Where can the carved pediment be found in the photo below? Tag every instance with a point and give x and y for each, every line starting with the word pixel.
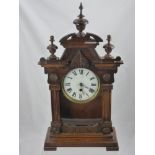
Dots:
pixel 79 60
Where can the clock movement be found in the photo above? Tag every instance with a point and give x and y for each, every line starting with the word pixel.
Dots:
pixel 80 84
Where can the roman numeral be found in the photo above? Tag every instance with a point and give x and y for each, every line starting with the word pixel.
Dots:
pixel 69 90
pixel 67 84
pixel 93 84
pixel 74 94
pixel 87 73
pixel 69 77
pixel 81 71
pixel 87 94
pixel 80 96
pixel 74 72
pixel 92 78
pixel 91 90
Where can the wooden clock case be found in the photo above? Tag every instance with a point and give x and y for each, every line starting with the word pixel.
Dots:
pixel 81 125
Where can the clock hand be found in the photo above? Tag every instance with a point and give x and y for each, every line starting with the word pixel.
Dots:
pixel 82 85
pixel 85 86
pixel 81 90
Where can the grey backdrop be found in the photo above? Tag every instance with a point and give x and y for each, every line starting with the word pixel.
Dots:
pixel 41 18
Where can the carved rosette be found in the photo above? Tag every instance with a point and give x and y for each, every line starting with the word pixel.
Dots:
pixel 52 78
pixel 106 77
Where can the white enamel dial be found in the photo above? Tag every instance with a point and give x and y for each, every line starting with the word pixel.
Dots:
pixel 80 85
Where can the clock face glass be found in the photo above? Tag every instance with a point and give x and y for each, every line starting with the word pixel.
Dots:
pixel 80 85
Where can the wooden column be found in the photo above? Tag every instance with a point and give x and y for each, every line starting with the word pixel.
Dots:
pixel 55 107
pixel 106 107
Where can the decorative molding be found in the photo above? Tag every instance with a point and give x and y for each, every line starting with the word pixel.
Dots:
pixel 55 87
pixel 69 128
pixel 107 86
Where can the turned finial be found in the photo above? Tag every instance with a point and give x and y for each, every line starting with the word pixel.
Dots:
pixel 52 48
pixel 81 8
pixel 108 48
pixel 52 39
pixel 109 38
pixel 80 22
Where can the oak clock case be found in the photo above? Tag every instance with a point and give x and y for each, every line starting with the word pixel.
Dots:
pixel 80 84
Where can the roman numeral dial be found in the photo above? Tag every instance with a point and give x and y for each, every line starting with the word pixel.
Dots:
pixel 80 85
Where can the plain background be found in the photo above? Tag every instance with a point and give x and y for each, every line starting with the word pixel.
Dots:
pixel 39 20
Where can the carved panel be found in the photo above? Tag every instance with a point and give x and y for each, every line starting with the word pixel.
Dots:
pixel 93 128
pixel 79 60
pixel 81 126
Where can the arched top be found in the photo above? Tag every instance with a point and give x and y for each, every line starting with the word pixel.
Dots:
pixel 66 37
pixel 95 37
pixel 85 38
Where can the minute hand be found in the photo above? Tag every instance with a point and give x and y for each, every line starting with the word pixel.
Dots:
pixel 86 87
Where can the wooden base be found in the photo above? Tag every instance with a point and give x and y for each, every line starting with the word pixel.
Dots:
pixel 81 140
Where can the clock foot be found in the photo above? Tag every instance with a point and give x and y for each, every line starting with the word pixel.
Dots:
pixel 46 148
pixel 112 148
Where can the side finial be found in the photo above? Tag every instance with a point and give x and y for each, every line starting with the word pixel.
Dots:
pixel 108 48
pixel 51 39
pixel 109 38
pixel 80 22
pixel 52 48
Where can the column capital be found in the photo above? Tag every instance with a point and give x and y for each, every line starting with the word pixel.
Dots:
pixel 106 86
pixel 55 87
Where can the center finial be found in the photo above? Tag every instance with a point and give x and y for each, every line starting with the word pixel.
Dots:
pixel 80 22
pixel 81 8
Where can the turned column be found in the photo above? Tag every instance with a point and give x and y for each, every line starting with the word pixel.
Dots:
pixel 106 107
pixel 55 102
pixel 106 101
pixel 55 108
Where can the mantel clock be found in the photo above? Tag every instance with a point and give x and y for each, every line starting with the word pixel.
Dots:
pixel 80 84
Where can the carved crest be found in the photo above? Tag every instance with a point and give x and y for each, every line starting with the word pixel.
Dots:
pixel 79 60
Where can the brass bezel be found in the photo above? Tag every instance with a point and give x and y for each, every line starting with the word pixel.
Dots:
pixel 77 101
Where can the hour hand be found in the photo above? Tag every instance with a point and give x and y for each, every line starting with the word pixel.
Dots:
pixel 81 90
pixel 83 85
